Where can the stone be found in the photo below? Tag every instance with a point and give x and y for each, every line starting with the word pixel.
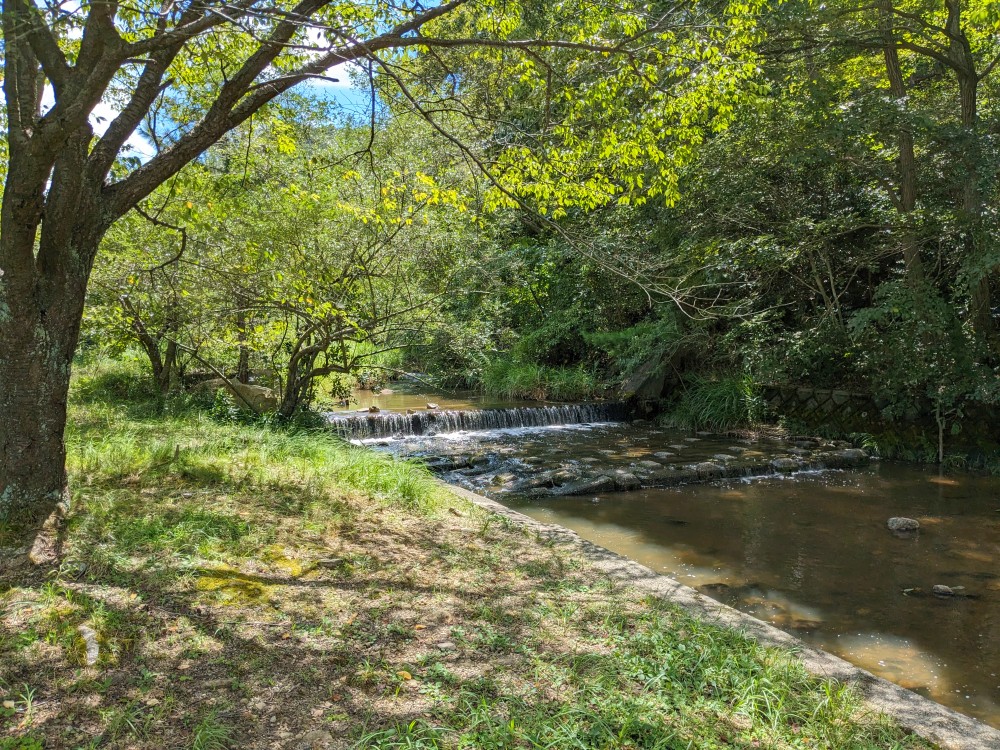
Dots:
pixel 626 481
pixel 446 646
pixel 543 479
pixel 562 476
pixel 940 590
pixel 92 650
pixel 254 397
pixel 650 464
pixel 678 447
pixel 317 739
pixel 432 406
pixel 373 409
pixel 854 455
pixel 900 523
pixel 786 464
pixel 709 469
pixel 647 382
pixel 501 479
pixel 664 454
pixel 586 486
pixel 723 457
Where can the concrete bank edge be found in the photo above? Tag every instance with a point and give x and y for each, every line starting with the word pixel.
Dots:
pixel 947 728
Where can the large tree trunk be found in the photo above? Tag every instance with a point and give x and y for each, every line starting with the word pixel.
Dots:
pixel 34 381
pixel 42 290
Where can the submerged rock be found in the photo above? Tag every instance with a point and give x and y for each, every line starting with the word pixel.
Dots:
pixel 786 464
pixel 586 486
pixel 543 479
pixel 899 523
pixel 626 481
pixel 709 469
pixel 564 475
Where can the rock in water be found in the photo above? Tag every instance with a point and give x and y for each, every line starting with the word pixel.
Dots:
pixel 586 486
pixel 940 590
pixel 709 469
pixel 786 464
pixel 432 406
pixel 900 523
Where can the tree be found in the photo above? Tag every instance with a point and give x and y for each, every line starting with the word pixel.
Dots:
pixel 190 72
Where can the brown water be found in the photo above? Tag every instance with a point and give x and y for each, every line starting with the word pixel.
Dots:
pixel 812 555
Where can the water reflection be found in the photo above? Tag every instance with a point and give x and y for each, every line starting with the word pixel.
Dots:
pixel 812 555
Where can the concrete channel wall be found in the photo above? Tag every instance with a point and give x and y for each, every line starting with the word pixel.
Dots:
pixel 939 724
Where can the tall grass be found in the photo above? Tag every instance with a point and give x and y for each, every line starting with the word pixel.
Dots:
pixel 718 404
pixel 527 380
pixel 118 432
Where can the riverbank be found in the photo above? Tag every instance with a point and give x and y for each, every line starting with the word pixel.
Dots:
pixel 234 586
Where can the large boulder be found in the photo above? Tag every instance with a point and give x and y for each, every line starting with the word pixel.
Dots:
pixel 648 381
pixel 255 397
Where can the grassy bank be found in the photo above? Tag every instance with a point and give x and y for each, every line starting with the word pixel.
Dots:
pixel 248 587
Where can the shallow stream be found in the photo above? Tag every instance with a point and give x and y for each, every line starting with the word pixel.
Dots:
pixel 808 551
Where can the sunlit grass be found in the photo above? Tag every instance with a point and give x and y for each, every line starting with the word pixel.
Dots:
pixel 230 573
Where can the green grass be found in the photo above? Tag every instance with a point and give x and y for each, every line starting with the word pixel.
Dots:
pixel 519 380
pixel 717 404
pixel 115 437
pixel 249 581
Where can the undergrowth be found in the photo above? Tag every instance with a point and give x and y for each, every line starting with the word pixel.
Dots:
pixel 717 404
pixel 525 380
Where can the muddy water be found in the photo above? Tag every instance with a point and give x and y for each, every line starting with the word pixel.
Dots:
pixel 812 555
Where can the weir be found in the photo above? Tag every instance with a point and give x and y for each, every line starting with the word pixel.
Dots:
pixel 435 422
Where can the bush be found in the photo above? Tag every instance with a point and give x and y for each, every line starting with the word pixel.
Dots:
pixel 722 404
pixel 510 379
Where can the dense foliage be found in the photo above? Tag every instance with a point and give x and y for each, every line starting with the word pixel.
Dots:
pixel 804 194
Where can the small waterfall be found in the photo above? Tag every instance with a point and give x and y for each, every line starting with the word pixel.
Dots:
pixel 434 422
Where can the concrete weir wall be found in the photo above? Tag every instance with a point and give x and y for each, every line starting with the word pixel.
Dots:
pixel 949 729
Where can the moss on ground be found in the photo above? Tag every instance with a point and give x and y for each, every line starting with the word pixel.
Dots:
pixel 254 588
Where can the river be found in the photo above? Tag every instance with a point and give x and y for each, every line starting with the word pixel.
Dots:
pixel 808 551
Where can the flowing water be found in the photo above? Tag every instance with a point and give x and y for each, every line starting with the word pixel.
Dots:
pixel 807 551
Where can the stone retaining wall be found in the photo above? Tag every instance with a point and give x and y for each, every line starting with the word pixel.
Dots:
pixel 843 410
